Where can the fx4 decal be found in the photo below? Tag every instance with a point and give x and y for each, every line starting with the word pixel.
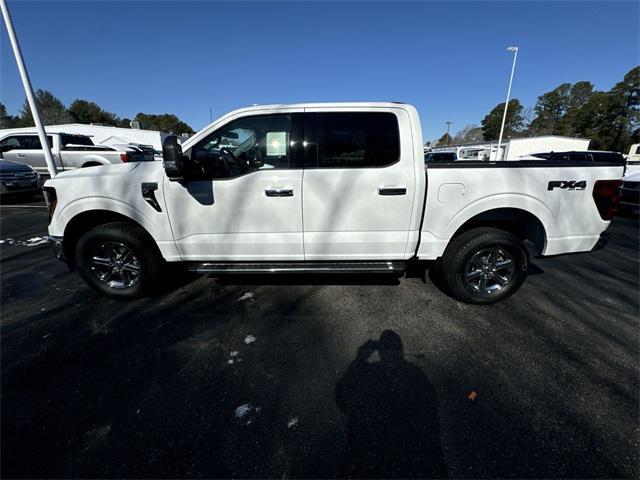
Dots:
pixel 568 184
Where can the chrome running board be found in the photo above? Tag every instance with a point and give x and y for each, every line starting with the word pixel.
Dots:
pixel 298 267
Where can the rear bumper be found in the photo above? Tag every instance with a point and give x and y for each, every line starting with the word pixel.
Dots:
pixel 570 244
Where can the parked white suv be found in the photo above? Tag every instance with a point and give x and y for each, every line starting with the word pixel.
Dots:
pixel 337 187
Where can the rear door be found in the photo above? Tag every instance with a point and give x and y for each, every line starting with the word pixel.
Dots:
pixel 358 184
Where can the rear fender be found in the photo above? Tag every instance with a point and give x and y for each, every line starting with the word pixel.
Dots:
pixel 493 202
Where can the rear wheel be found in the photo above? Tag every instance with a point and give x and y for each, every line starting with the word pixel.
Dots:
pixel 484 265
pixel 119 260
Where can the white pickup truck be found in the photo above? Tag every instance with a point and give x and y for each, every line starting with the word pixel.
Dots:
pixel 336 187
pixel 69 151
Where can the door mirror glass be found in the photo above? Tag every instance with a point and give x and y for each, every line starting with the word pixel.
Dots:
pixel 173 159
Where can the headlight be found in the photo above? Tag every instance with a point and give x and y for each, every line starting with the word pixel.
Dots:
pixel 51 198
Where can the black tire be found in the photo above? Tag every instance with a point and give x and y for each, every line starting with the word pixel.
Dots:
pixel 463 265
pixel 139 275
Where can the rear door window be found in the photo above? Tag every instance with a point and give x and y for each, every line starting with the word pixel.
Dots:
pixel 578 157
pixel 352 140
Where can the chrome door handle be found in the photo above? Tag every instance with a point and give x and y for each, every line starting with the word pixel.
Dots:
pixel 383 190
pixel 279 192
pixel 21 155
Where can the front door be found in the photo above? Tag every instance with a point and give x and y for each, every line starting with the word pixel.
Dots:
pixel 243 199
pixel 359 184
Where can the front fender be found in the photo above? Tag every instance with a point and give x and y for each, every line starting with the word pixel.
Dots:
pixel 156 224
pixel 82 205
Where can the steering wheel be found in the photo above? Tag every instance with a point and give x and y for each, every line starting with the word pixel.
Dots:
pixel 229 156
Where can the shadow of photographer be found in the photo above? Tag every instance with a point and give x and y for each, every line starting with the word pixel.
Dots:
pixel 392 414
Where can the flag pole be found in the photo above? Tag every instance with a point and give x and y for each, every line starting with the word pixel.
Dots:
pixel 28 89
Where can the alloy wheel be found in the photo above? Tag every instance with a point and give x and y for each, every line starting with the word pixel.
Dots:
pixel 115 265
pixel 488 271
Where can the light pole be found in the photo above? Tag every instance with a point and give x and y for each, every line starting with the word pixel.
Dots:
pixel 448 136
pixel 28 89
pixel 504 116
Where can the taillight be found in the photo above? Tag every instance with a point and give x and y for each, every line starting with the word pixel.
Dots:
pixel 124 157
pixel 606 194
pixel 51 198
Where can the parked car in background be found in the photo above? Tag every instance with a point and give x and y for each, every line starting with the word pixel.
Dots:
pixel 18 178
pixel 613 158
pixel 633 158
pixel 630 194
pixel 69 151
pixel 440 157
pixel 320 188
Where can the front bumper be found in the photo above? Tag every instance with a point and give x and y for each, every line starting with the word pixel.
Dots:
pixel 17 189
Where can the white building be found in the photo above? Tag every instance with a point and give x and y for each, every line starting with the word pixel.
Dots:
pixel 103 135
pixel 516 148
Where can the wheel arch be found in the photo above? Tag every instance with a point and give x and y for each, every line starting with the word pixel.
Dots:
pixel 85 221
pixel 95 161
pixel 522 223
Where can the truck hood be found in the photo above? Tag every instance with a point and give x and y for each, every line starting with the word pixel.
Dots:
pixel 98 171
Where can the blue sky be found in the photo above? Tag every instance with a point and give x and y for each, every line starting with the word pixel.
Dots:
pixel 447 58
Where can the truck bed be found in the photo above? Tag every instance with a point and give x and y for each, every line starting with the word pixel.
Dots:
pixel 559 195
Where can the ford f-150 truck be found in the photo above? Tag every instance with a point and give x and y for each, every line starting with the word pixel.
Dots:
pixel 69 151
pixel 337 187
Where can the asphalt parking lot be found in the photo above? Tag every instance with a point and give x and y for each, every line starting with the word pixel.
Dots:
pixel 276 377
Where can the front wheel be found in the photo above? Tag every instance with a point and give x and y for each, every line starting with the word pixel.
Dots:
pixel 118 260
pixel 484 265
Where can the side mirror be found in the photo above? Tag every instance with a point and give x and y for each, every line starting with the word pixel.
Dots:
pixel 172 159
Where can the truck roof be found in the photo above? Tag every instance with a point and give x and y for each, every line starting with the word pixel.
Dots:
pixel 288 106
pixel 276 106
